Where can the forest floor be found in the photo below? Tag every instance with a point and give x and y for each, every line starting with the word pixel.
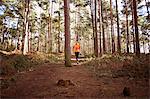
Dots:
pixel 80 82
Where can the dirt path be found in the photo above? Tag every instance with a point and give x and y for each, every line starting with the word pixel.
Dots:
pixel 41 82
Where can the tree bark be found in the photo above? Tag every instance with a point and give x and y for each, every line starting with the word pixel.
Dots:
pixel 118 30
pixel 103 31
pixel 59 33
pixel 112 28
pixel 93 26
pixel 100 26
pixel 78 25
pixel 136 28
pixel 59 38
pixel 133 30
pixel 25 34
pixel 49 32
pixel 127 27
pixel 49 47
pixel 67 34
pixel 95 36
pixel 107 31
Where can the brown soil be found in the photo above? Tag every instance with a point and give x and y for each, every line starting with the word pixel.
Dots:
pixel 42 82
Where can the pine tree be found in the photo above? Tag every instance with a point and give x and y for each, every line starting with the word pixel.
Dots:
pixel 118 30
pixel 136 27
pixel 67 34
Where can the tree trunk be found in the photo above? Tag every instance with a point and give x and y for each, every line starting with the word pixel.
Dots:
pixel 95 36
pixel 67 34
pixel 103 31
pixel 133 30
pixel 127 27
pixel 100 25
pixel 118 31
pixel 45 49
pixel 136 28
pixel 59 39
pixel 76 21
pixel 112 28
pixel 51 28
pixel 93 26
pixel 59 31
pixel 78 25
pixel 49 46
pixel 49 32
pixel 31 39
pixel 29 35
pixel 18 41
pixel 25 34
pixel 107 31
pixel 18 35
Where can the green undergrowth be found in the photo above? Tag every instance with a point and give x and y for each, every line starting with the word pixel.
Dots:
pixel 13 63
pixel 126 65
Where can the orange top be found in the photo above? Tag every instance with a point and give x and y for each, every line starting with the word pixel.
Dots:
pixel 76 47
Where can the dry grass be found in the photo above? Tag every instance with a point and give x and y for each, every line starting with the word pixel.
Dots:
pixel 121 65
pixel 12 62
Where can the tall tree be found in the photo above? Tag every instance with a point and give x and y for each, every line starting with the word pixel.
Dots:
pixel 59 28
pixel 133 36
pixel 95 36
pixel 103 32
pixel 50 25
pixel 25 34
pixel 100 25
pixel 136 27
pixel 94 25
pixel 127 26
pixel 112 28
pixel 107 7
pixel 77 18
pixel 118 30
pixel 67 34
pixel 92 16
pixel 59 32
pixel 49 29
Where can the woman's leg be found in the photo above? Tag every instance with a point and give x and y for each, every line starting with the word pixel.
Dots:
pixel 76 54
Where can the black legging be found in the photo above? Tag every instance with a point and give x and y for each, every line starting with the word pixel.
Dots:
pixel 77 55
